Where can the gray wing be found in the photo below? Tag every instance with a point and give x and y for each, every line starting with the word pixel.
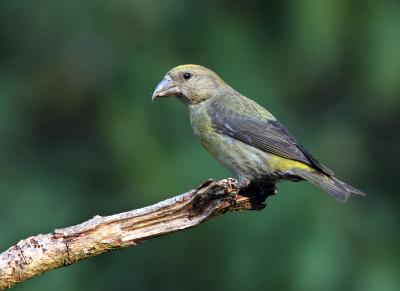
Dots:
pixel 267 135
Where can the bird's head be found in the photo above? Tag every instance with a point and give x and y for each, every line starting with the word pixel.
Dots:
pixel 191 84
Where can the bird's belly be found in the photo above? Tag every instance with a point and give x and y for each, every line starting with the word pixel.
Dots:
pixel 240 158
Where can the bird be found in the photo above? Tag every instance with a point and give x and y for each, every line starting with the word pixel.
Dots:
pixel 243 135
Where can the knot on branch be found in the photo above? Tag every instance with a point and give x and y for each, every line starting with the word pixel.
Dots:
pixel 225 196
pixel 210 196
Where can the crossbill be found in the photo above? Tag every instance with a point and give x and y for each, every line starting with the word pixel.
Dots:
pixel 244 136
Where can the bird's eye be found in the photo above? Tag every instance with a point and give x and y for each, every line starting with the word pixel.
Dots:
pixel 187 76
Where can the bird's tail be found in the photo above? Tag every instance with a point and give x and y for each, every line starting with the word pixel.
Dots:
pixel 339 190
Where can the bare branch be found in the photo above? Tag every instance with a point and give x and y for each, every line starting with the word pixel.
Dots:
pixel 39 254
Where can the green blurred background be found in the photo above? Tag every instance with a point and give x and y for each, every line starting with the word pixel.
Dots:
pixel 79 137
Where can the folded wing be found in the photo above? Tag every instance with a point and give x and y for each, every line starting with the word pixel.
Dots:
pixel 269 135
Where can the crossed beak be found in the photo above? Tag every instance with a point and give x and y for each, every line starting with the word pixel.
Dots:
pixel 166 88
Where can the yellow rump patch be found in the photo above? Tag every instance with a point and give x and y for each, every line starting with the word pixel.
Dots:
pixel 279 163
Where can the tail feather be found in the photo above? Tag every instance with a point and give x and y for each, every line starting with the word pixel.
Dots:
pixel 339 190
pixel 354 190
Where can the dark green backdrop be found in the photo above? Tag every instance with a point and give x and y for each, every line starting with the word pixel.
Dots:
pixel 79 137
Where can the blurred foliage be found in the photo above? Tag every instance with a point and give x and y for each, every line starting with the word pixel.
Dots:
pixel 79 137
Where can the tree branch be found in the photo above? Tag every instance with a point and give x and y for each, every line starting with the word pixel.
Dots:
pixel 39 254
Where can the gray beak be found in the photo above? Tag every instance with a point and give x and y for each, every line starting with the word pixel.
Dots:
pixel 165 89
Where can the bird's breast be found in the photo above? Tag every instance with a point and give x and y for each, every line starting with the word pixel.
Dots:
pixel 204 131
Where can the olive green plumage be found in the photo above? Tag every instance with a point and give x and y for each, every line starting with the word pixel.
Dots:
pixel 242 135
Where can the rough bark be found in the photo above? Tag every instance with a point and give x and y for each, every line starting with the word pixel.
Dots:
pixel 38 254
